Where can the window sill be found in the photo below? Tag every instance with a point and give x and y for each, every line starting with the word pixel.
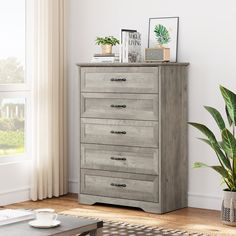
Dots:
pixel 13 160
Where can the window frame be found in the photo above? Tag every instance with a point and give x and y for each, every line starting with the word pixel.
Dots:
pixel 23 90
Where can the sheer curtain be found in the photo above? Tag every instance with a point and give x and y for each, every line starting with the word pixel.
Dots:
pixel 49 99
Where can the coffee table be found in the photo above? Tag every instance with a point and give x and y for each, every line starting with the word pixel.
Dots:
pixel 69 226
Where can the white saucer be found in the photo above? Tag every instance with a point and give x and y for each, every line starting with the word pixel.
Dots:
pixel 42 225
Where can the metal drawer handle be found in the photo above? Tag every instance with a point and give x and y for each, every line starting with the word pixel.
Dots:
pixel 118 132
pixel 118 185
pixel 118 79
pixel 118 106
pixel 118 158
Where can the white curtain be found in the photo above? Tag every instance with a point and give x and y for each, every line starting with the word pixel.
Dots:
pixel 49 102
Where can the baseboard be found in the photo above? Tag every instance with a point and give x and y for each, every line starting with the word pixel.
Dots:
pixel 73 186
pixel 14 196
pixel 204 201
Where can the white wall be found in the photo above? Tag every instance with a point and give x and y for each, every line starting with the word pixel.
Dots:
pixel 207 39
pixel 14 182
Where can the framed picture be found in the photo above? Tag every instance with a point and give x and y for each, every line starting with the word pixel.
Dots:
pixel 163 31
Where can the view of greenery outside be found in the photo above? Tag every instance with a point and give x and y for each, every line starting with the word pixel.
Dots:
pixel 12 139
pixel 12 77
pixel 12 121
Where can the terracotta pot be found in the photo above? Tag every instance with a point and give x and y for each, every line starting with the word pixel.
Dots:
pixel 228 209
pixel 106 49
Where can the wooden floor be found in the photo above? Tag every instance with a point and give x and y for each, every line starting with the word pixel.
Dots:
pixel 190 219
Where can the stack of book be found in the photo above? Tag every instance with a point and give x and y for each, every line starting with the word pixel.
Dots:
pixel 130 48
pixel 8 216
pixel 97 58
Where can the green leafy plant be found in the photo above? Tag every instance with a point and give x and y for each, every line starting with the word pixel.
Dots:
pixel 225 149
pixel 107 40
pixel 162 34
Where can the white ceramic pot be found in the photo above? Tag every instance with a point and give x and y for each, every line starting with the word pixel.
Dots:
pixel 228 210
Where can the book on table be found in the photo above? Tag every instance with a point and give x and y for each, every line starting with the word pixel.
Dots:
pixel 8 216
pixel 104 55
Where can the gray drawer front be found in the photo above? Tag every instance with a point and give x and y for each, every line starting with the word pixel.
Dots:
pixel 116 158
pixel 120 106
pixel 119 79
pixel 119 185
pixel 120 132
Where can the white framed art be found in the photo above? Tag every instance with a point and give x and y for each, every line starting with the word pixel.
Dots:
pixel 171 27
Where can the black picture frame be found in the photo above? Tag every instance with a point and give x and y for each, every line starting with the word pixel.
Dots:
pixel 172 20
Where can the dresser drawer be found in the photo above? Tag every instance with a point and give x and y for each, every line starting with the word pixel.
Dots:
pixel 121 106
pixel 116 158
pixel 119 132
pixel 120 185
pixel 119 79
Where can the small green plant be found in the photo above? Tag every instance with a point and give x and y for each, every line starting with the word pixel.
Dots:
pixel 107 40
pixel 225 149
pixel 162 34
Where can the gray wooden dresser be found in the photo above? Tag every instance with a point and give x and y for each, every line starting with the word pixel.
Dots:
pixel 133 135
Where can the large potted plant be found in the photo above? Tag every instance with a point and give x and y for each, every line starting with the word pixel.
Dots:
pixel 225 150
pixel 107 43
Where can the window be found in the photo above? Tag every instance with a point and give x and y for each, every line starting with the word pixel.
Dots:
pixel 12 41
pixel 12 126
pixel 14 84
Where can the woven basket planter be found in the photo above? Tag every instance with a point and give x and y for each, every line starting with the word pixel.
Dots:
pixel 228 210
pixel 106 49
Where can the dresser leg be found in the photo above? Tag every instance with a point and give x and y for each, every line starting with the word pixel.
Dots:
pixel 86 200
pixel 151 209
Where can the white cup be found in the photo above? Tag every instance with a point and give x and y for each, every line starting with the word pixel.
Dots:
pixel 45 216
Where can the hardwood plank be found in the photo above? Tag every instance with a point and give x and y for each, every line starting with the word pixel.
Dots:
pixel 190 219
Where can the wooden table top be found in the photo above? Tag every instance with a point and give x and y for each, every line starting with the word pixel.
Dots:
pixel 70 225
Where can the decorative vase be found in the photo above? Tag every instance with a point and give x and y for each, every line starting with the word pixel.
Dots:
pixel 228 209
pixel 106 49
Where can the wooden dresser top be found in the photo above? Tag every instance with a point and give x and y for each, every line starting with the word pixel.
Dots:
pixel 143 64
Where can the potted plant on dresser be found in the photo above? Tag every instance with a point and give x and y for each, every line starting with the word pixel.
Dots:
pixel 225 151
pixel 107 43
